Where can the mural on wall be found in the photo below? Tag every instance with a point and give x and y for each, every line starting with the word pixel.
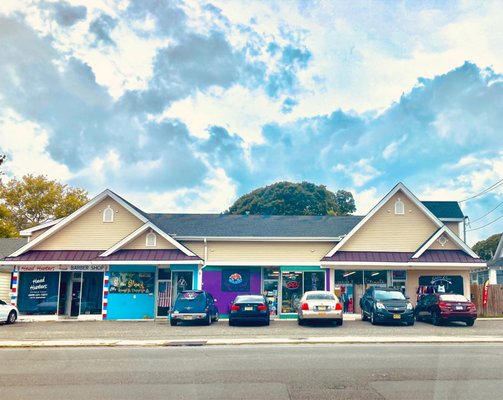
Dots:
pixel 236 280
pixel 132 282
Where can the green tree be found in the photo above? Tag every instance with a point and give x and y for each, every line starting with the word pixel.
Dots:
pixel 485 249
pixel 287 198
pixel 34 199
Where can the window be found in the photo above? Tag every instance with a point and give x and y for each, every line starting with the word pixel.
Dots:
pixel 399 207
pixel 151 239
pixel 108 214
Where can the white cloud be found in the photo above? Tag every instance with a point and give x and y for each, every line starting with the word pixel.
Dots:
pixel 25 144
pixel 366 199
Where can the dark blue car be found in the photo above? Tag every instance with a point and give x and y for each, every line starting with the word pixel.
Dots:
pixel 194 305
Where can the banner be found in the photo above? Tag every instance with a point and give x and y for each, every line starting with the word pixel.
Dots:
pixel 235 280
pixel 485 294
pixel 38 292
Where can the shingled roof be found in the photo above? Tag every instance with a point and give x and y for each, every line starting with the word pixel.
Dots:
pixel 444 209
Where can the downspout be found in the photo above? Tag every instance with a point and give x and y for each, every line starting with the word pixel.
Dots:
pixel 204 264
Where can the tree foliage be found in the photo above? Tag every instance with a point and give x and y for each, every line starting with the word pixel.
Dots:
pixel 485 249
pixel 287 198
pixel 31 200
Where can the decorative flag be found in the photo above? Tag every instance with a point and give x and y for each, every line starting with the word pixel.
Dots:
pixel 485 294
pixel 164 295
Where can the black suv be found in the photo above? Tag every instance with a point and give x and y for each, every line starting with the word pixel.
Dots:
pixel 386 305
pixel 194 305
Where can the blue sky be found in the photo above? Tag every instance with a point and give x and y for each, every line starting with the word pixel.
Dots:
pixel 185 106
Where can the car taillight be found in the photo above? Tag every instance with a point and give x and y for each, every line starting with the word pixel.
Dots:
pixel 262 307
pixel 305 306
pixel 471 306
pixel 338 307
pixel 234 308
pixel 443 305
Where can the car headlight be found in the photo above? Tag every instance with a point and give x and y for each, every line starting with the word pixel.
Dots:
pixel 380 306
pixel 409 306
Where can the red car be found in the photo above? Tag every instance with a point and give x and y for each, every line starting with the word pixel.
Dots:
pixel 445 307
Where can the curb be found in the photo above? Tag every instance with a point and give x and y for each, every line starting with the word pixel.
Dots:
pixel 248 341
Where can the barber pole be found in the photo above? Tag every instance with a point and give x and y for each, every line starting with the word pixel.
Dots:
pixel 485 294
pixel 106 277
pixel 13 298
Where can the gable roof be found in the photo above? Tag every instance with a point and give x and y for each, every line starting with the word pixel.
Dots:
pixel 148 226
pixel 445 210
pixel 439 232
pixel 65 221
pixel 10 245
pixel 254 226
pixel 399 187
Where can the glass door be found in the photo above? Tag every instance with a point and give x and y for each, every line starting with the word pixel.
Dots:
pixel 271 284
pixel 163 298
pixel 291 291
pixel 182 280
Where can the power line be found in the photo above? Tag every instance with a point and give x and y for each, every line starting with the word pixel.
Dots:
pixel 483 226
pixel 485 215
pixel 492 187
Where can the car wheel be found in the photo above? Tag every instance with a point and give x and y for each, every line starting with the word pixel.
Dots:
pixel 300 321
pixel 231 322
pixel 364 317
pixel 373 318
pixel 435 318
pixel 470 322
pixel 12 317
pixel 207 320
pixel 338 322
pixel 267 322
pixel 173 322
pixel 216 317
pixel 410 323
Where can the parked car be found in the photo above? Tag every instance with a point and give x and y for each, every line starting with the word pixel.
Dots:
pixel 442 307
pixel 386 305
pixel 8 313
pixel 249 308
pixel 194 305
pixel 320 305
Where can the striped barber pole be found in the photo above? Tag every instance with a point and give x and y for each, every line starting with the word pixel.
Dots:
pixel 13 299
pixel 106 277
pixel 164 294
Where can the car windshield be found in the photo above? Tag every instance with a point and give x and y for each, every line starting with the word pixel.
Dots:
pixel 453 297
pixel 388 295
pixel 248 299
pixel 190 297
pixel 320 296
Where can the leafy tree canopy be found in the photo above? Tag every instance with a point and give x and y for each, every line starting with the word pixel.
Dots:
pixel 485 249
pixel 287 198
pixel 31 200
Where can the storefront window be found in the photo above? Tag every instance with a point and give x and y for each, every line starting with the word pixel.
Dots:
pixel 38 293
pixel 271 283
pixel 314 281
pixel 291 291
pixel 92 293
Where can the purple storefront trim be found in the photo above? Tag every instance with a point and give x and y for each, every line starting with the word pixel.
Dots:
pixel 212 282
pixel 430 256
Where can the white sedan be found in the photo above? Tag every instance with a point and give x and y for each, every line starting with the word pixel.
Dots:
pixel 320 305
pixel 8 313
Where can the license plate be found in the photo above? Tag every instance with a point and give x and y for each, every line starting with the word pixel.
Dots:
pixel 248 308
pixel 459 307
pixel 322 313
pixel 187 317
pixel 397 316
pixel 322 308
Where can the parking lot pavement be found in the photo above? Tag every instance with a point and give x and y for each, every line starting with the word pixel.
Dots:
pixel 221 332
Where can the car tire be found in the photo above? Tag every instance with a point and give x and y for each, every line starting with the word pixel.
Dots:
pixel 435 318
pixel 339 322
pixel 300 321
pixel 216 317
pixel 373 320
pixel 418 318
pixel 410 323
pixel 364 317
pixel 207 320
pixel 231 322
pixel 12 317
pixel 267 322
pixel 173 322
pixel 470 322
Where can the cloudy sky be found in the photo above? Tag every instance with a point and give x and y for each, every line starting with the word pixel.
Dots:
pixel 184 106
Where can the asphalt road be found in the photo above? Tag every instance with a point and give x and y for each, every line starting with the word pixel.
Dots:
pixel 287 329
pixel 255 372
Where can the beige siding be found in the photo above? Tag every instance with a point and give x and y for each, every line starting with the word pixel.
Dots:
pixel 385 231
pixel 89 232
pixel 5 286
pixel 453 226
pixel 449 245
pixel 196 247
pixel 140 243
pixel 291 252
pixel 413 280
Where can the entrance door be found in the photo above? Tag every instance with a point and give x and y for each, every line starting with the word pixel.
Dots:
pixel 75 308
pixel 163 298
pixel 182 280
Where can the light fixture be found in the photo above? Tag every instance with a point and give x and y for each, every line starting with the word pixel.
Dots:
pixel 375 273
pixel 348 273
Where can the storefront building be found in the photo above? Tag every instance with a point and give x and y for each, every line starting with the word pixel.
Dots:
pixel 109 260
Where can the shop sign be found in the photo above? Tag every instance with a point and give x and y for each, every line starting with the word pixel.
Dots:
pixel 38 292
pixel 132 282
pixel 62 268
pixel 443 283
pixel 236 280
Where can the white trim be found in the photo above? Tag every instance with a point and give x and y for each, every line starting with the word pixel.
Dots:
pixel 390 265
pixel 445 229
pixel 108 215
pixel 451 219
pixel 75 215
pixel 407 193
pixel 153 242
pixel 257 239
pixel 154 262
pixel 499 250
pixel 262 264
pixel 139 231
pixel 29 231
pixel 56 263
